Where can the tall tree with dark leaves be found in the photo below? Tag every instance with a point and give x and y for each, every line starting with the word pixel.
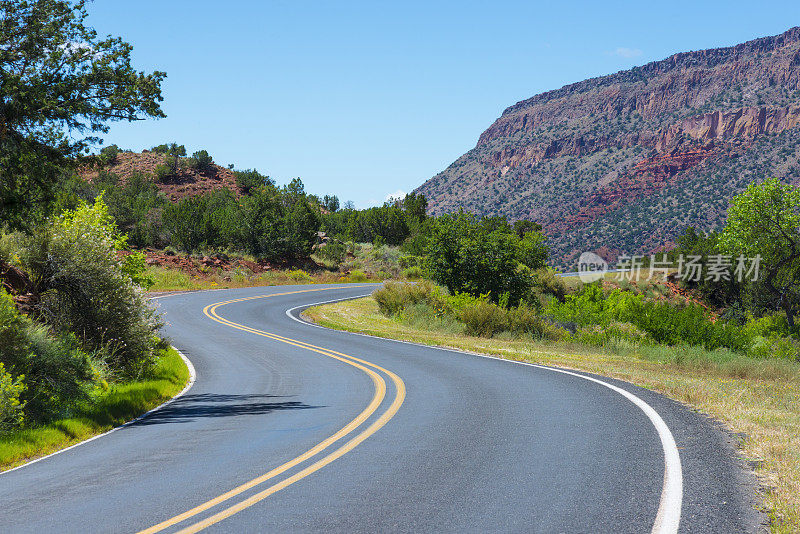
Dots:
pixel 60 86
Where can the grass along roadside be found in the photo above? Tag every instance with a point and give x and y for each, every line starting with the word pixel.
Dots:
pixel 758 398
pixel 367 263
pixel 177 280
pixel 121 403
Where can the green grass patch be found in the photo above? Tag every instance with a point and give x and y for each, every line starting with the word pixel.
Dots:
pixel 121 403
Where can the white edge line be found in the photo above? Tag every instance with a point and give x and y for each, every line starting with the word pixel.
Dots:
pixel 192 378
pixel 669 508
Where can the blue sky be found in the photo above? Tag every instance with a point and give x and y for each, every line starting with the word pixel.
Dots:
pixel 362 99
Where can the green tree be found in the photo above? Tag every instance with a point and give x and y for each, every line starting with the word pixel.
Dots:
pixel 203 221
pixel 59 86
pixel 415 206
pixel 278 224
pixel 480 256
pixel 765 221
pixel 330 203
pixel 201 160
pixel 86 289
pixel 175 151
pixel 522 227
pixel 719 293
pixel 251 179
pixel 108 154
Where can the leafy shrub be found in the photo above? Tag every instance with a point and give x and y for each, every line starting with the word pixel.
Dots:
pixel 84 289
pixel 408 260
pixel 277 223
pixel 593 335
pixel 49 373
pixel 298 275
pixel 357 276
pixel 478 315
pixel 547 284
pixel 108 154
pixel 769 325
pixel 333 251
pixel 393 297
pixel 252 179
pixel 58 373
pixel 524 320
pixel 169 148
pixel 456 303
pixel 203 221
pixel 164 172
pixel 381 225
pixel 200 160
pixel 483 319
pixel 269 223
pixel 774 347
pixel 412 273
pixel 662 321
pixel 137 208
pixel 11 409
pixel 483 256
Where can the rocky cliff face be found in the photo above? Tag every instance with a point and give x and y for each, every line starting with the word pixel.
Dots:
pixel 655 148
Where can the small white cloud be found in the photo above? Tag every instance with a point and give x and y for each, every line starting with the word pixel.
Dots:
pixel 391 197
pixel 627 52
pixel 397 195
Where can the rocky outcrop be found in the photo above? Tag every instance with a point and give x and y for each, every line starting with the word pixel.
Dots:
pixel 743 124
pixel 579 154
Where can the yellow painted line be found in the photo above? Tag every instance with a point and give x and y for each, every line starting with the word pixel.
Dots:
pixel 380 392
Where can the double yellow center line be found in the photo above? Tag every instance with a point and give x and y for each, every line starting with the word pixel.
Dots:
pixel 349 429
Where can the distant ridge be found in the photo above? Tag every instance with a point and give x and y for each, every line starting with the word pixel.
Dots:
pixel 622 163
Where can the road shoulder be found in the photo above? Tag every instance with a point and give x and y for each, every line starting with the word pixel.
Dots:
pixel 700 407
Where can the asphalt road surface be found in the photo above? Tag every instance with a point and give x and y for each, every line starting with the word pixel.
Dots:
pixel 295 428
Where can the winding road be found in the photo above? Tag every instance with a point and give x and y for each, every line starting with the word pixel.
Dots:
pixel 291 427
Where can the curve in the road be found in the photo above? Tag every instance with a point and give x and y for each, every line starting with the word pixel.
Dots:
pixel 669 509
pixel 478 444
pixel 380 392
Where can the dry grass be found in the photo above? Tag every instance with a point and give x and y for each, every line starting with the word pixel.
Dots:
pixel 760 399
pixel 177 280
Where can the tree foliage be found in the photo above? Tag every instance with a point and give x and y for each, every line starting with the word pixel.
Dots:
pixel 60 85
pixel 251 179
pixel 392 223
pixel 765 221
pixel 270 222
pixel 483 256
pixel 201 160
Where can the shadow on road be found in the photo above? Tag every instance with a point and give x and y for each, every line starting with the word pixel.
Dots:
pixel 189 407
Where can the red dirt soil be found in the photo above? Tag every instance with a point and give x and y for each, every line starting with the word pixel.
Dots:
pixel 188 182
